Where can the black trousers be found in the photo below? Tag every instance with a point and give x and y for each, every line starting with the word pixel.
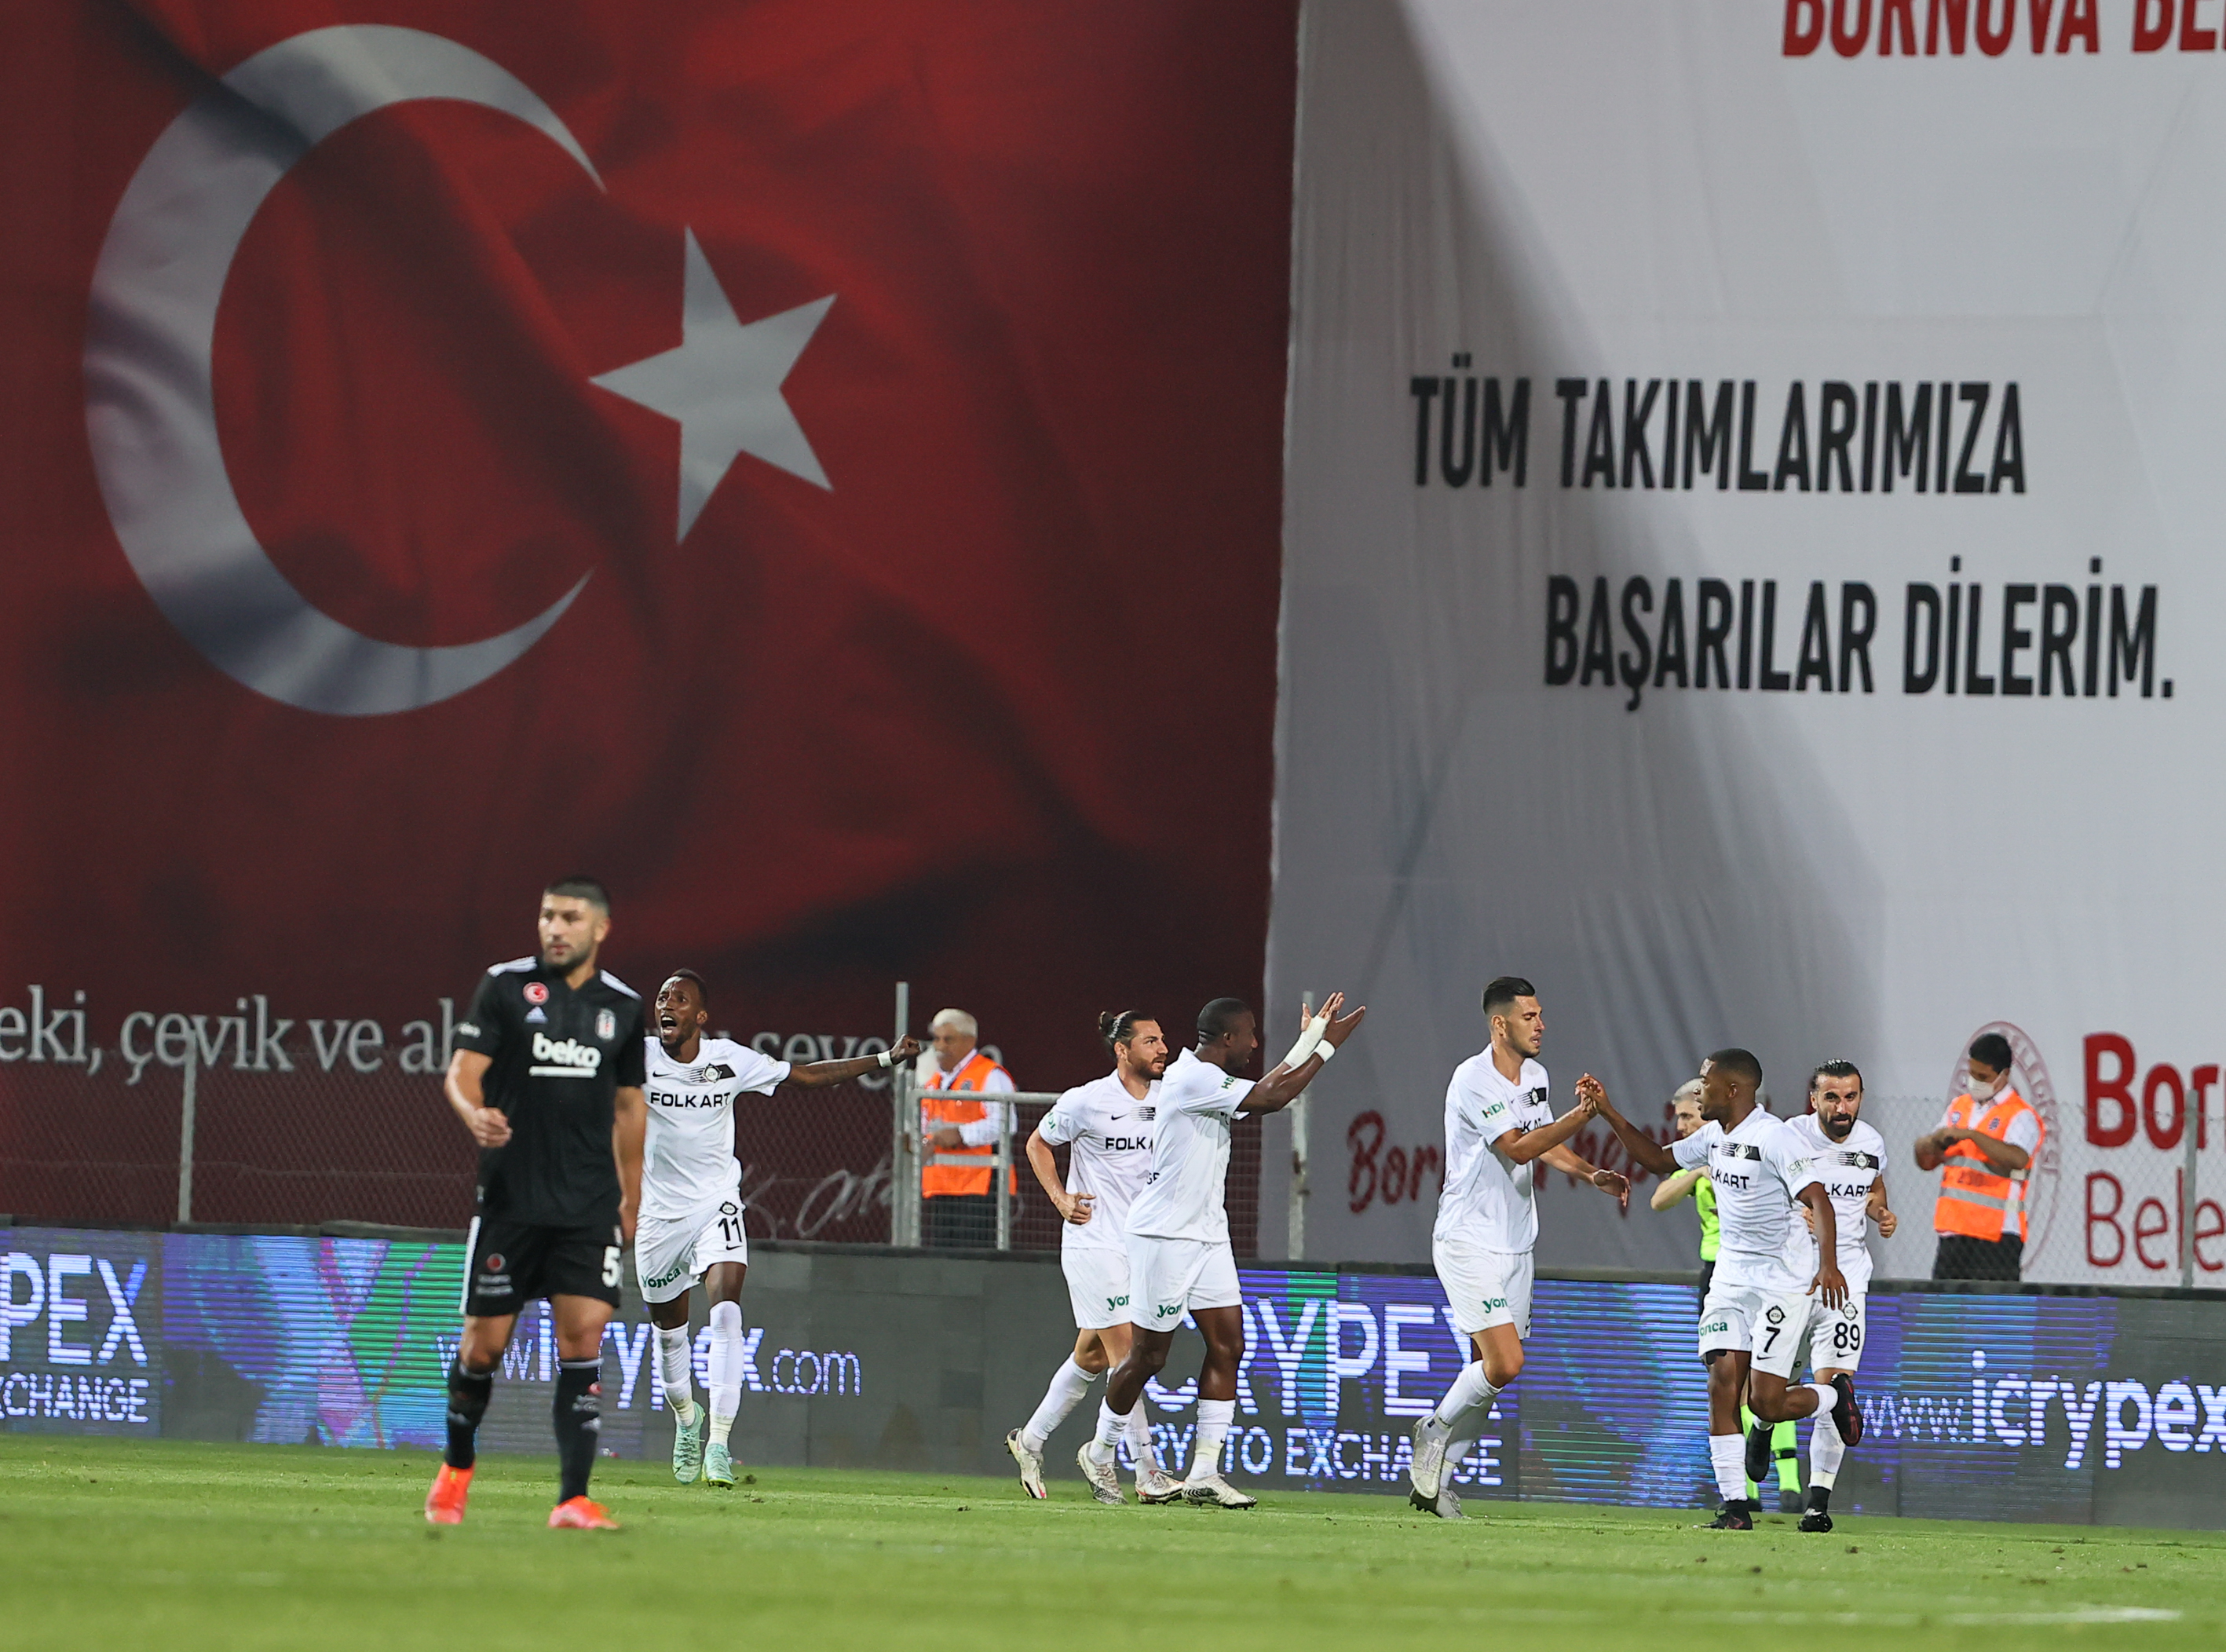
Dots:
pixel 1960 1257
pixel 959 1222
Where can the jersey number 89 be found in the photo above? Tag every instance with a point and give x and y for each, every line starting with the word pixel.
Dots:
pixel 1847 1336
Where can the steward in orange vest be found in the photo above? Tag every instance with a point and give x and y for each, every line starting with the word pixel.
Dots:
pixel 958 1210
pixel 1986 1144
pixel 949 1101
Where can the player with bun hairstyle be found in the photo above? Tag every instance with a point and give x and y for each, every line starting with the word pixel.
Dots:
pixel 1108 1126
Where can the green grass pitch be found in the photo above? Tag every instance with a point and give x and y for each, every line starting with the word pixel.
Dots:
pixel 173 1546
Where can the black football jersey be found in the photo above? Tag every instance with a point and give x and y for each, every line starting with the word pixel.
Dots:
pixel 559 1055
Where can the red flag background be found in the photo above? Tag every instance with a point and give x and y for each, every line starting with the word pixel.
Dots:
pixel 991 712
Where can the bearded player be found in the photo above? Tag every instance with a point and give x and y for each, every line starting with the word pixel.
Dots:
pixel 1499 1123
pixel 1108 1123
pixel 1757 1305
pixel 1180 1259
pixel 1850 1155
pixel 547 1077
pixel 691 1206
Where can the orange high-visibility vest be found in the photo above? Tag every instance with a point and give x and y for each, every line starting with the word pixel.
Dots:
pixel 1974 1200
pixel 949 1100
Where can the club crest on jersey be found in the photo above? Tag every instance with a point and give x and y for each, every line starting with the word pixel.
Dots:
pixel 711 1075
pixel 607 1025
pixel 1776 1316
pixel 536 992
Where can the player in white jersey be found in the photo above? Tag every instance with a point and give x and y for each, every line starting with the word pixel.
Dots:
pixel 1108 1125
pixel 1850 1156
pixel 1179 1256
pixel 1498 1122
pixel 1757 1305
pixel 690 1226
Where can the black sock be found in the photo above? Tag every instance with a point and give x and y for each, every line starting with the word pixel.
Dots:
pixel 578 1413
pixel 467 1402
pixel 1819 1498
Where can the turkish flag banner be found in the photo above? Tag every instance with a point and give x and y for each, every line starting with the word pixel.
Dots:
pixel 816 467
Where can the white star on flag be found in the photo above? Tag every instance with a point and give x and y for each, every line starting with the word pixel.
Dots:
pixel 723 386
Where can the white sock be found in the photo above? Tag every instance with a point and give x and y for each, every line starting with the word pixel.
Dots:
pixel 1111 1426
pixel 726 1368
pixel 676 1361
pixel 1069 1383
pixel 1139 1437
pixel 1470 1388
pixel 1214 1417
pixel 1727 1454
pixel 1826 1448
pixel 1827 1397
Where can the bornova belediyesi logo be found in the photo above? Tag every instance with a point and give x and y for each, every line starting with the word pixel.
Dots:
pixel 564 1057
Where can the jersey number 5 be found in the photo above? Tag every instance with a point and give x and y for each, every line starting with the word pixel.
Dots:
pixel 612 1272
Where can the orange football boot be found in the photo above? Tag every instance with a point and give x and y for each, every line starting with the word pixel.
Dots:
pixel 444 1503
pixel 581 1514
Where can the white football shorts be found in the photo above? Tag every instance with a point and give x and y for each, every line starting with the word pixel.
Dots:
pixel 1764 1321
pixel 1097 1284
pixel 1168 1276
pixel 1485 1287
pixel 669 1256
pixel 1835 1335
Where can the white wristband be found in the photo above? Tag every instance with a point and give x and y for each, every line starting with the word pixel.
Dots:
pixel 888 1061
pixel 1324 1051
pixel 1308 1039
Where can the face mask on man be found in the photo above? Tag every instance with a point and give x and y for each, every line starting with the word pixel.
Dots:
pixel 1988 1091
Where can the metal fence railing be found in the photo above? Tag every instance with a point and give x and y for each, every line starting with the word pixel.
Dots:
pixel 318 1137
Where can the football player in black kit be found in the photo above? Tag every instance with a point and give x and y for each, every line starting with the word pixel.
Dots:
pixel 547 1075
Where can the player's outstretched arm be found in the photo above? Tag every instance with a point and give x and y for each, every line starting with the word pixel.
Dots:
pixel 1829 1282
pixel 629 1122
pixel 1286 1084
pixel 1072 1207
pixel 1521 1146
pixel 1676 1187
pixel 465 1089
pixel 1645 1151
pixel 817 1075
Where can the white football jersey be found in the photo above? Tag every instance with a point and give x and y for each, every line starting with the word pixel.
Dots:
pixel 1110 1156
pixel 1182 1196
pixel 1757 1169
pixel 1848 1169
pixel 688 1160
pixel 1487 1200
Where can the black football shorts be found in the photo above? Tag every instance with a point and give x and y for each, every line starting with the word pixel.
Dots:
pixel 511 1264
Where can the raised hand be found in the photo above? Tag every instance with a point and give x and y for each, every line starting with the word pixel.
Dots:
pixel 904 1049
pixel 1591 1094
pixel 1340 1027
